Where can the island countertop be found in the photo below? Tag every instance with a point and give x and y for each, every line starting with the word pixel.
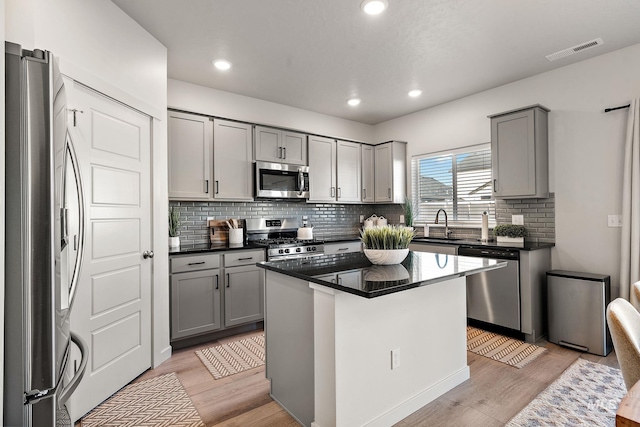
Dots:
pixel 354 273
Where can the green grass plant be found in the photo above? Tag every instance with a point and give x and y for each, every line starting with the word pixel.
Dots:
pixel 387 237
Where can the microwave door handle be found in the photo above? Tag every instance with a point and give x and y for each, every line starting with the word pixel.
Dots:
pixel 300 182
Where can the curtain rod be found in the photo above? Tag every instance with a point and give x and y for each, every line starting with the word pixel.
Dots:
pixel 606 110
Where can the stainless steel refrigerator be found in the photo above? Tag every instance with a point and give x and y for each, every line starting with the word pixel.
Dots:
pixel 44 242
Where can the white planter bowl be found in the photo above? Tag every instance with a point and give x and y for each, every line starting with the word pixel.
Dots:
pixel 505 239
pixel 386 256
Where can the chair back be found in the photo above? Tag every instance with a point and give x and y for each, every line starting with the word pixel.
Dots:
pixel 624 324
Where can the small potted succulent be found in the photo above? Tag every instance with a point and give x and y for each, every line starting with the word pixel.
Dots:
pixel 510 233
pixel 386 245
pixel 174 223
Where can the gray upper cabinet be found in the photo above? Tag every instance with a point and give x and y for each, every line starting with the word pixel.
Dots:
pixel 280 146
pixel 519 153
pixel 190 156
pixel 232 160
pixel 349 168
pixel 368 174
pixel 322 169
pixel 390 172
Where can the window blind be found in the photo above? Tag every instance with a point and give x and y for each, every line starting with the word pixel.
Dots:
pixel 458 181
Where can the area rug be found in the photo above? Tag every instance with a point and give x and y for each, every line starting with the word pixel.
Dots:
pixel 586 394
pixel 236 356
pixel 156 402
pixel 503 349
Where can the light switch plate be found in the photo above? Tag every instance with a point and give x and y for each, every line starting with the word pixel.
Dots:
pixel 614 221
pixel 401 219
pixel 517 219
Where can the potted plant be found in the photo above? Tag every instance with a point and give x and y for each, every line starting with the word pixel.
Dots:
pixel 386 245
pixel 408 211
pixel 510 233
pixel 174 223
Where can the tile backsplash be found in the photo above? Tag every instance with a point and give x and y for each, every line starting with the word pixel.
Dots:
pixel 334 220
pixel 328 220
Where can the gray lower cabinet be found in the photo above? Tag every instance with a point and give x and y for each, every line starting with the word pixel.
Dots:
pixel 212 292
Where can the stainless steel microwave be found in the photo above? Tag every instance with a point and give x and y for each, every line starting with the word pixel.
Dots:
pixel 281 181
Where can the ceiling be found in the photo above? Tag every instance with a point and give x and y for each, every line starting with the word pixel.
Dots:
pixel 315 54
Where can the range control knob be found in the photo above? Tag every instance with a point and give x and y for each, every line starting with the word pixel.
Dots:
pixel 280 251
pixel 298 249
pixel 287 251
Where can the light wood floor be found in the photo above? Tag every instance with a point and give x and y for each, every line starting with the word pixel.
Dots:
pixel 494 394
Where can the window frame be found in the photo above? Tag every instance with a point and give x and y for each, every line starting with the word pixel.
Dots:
pixel 415 190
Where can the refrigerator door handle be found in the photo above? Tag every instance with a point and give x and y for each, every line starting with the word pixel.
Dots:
pixel 66 393
pixel 81 219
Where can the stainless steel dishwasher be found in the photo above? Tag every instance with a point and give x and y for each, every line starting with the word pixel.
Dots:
pixel 494 296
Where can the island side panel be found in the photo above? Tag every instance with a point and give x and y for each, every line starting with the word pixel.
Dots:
pixel 289 344
pixel 427 325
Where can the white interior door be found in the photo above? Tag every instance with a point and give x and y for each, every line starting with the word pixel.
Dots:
pixel 112 306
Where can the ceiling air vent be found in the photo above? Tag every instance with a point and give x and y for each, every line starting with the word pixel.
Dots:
pixel 574 49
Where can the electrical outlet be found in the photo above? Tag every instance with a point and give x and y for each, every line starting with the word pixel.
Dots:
pixel 395 359
pixel 401 219
pixel 517 219
pixel 210 218
pixel 614 220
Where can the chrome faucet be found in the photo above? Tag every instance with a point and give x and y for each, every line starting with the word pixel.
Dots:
pixel 446 222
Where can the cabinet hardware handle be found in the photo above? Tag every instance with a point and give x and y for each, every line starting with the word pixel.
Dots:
pixel 333 280
pixel 279 152
pixel 494 185
pixel 284 152
pixel 339 280
pixel 339 192
pixel 228 281
pixel 196 263
pixel 217 186
pixel 333 191
pixel 364 194
pixel 217 282
pixel 206 182
pixel 388 192
pixel 343 249
pixel 245 259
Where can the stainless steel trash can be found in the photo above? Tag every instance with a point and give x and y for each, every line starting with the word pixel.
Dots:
pixel 577 304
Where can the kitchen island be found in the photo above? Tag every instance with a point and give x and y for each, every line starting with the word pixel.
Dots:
pixel 350 344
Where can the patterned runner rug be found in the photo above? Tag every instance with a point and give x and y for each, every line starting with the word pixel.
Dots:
pixel 586 394
pixel 503 349
pixel 156 402
pixel 236 356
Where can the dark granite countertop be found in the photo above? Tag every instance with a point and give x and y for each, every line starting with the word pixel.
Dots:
pixel 209 247
pixel 527 246
pixel 361 278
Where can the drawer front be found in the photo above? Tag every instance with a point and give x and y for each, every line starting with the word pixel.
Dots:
pixel 343 247
pixel 233 259
pixel 194 263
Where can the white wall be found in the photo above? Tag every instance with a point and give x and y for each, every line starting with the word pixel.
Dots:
pixel 198 99
pixel 97 44
pixel 585 146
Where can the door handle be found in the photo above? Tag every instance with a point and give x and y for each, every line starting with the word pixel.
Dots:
pixel 494 185
pixel 279 152
pixel 339 192
pixel 364 194
pixel 228 281
pixel 217 186
pixel 333 191
pixel 217 282
pixel 206 183
pixel 388 192
pixel 147 254
pixel 284 152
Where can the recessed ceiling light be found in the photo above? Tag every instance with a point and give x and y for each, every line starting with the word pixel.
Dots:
pixel 414 93
pixel 353 102
pixel 222 64
pixel 374 7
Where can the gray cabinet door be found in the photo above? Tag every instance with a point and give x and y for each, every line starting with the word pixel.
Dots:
pixel 322 169
pixel 348 172
pixel 268 144
pixel 368 174
pixel 519 154
pixel 243 295
pixel 195 303
pixel 383 173
pixel 294 148
pixel 233 148
pixel 190 156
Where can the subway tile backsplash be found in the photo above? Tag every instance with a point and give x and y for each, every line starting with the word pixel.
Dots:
pixel 334 220
pixel 328 220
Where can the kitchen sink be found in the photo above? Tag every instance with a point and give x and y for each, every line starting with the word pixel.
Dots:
pixel 435 239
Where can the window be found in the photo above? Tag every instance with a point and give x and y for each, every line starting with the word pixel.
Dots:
pixel 457 181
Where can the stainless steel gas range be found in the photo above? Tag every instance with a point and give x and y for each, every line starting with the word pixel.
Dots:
pixel 279 237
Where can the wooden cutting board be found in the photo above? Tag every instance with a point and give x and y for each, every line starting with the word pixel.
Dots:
pixel 219 230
